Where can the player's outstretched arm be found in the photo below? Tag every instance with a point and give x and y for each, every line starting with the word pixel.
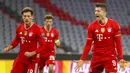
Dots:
pixel 89 40
pixel 79 65
pixel 118 43
pixel 118 40
pixel 14 43
pixel 84 55
pixel 7 49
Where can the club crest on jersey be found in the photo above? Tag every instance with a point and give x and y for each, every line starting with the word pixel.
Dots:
pixel 52 35
pixel 30 34
pixel 42 34
pixel 102 30
pixel 25 33
pixel 109 29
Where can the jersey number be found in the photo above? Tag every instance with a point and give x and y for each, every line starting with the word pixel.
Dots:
pixel 30 71
pixel 52 58
pixel 114 62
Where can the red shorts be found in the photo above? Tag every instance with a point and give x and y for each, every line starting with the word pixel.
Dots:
pixel 46 59
pixel 33 66
pixel 98 65
pixel 20 67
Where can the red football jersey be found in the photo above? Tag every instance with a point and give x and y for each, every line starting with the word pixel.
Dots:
pixel 104 38
pixel 50 37
pixel 28 39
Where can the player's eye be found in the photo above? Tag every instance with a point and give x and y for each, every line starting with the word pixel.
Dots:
pixel 29 16
pixel 24 16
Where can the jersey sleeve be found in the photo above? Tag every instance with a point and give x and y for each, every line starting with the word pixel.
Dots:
pixel 40 39
pixel 57 36
pixel 88 43
pixel 90 32
pixel 16 40
pixel 117 34
pixel 117 29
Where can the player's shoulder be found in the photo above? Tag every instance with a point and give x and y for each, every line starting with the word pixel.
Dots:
pixel 55 29
pixel 36 25
pixel 94 22
pixel 91 25
pixel 20 26
pixel 42 28
pixel 112 21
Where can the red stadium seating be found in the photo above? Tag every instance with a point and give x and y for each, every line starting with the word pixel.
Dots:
pixel 60 13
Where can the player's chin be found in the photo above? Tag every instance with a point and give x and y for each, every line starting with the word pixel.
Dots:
pixel 97 18
pixel 27 22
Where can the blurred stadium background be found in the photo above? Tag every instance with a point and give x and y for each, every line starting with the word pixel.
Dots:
pixel 71 19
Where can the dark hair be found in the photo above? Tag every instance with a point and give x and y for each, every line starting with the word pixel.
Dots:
pixel 27 9
pixel 49 16
pixel 102 5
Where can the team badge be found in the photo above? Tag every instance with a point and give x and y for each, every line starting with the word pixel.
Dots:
pixel 48 34
pixel 42 34
pixel 109 29
pixel 52 35
pixel 30 34
pixel 102 30
pixel 25 33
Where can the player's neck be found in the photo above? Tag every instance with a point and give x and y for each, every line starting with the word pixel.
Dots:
pixel 48 28
pixel 103 21
pixel 27 26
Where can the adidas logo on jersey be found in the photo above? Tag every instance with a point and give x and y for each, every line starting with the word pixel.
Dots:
pixel 96 30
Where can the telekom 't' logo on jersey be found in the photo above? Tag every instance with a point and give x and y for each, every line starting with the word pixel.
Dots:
pixel 22 40
pixel 99 37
